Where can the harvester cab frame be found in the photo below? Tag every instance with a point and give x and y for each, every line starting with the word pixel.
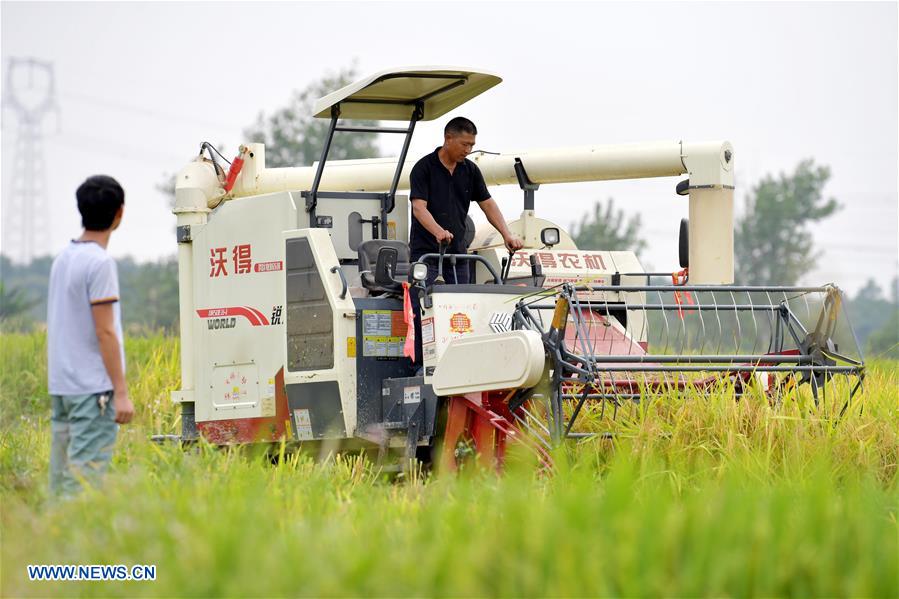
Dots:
pixel 294 319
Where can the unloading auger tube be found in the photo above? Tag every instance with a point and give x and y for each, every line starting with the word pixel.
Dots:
pixel 709 166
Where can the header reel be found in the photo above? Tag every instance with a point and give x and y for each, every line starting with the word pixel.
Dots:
pixel 748 340
pixel 768 344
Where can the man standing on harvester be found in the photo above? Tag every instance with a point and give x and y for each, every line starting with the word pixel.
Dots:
pixel 442 186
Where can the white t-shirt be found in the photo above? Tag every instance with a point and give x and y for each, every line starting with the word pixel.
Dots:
pixel 83 274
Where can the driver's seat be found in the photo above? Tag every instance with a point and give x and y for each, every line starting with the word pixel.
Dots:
pixel 368 260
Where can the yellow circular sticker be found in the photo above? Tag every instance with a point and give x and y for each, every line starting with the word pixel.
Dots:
pixel 460 323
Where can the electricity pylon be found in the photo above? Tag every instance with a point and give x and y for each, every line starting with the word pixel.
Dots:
pixel 30 92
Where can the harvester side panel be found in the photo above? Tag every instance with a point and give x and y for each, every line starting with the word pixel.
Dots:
pixel 238 311
pixel 320 372
pixel 310 319
pixel 461 310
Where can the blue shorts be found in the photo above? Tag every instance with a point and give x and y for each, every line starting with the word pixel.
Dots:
pixel 84 433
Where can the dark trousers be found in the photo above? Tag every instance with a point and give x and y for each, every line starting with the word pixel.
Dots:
pixel 458 276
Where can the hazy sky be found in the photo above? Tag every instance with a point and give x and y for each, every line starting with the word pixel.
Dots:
pixel 139 87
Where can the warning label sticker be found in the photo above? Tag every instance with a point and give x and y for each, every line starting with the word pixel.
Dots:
pixel 376 322
pixel 427 330
pixel 383 347
pixel 303 424
pixel 411 394
pixel 398 326
pixel 268 399
pixel 383 333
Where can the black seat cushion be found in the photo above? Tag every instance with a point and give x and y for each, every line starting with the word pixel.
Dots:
pixel 368 260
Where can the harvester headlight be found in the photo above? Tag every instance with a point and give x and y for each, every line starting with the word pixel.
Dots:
pixel 419 271
pixel 549 236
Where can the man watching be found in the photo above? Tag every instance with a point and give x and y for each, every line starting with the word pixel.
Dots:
pixel 85 352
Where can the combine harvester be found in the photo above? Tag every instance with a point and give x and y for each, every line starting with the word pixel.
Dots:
pixel 291 299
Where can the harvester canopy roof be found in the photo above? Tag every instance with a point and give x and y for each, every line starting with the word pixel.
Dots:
pixel 391 95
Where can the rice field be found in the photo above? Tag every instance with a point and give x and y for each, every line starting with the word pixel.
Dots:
pixel 692 498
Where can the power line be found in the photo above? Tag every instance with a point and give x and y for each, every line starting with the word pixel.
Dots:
pixel 116 148
pixel 147 112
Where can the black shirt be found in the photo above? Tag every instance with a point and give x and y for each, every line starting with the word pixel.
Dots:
pixel 448 197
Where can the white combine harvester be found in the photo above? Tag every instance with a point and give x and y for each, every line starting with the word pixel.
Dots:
pixel 291 298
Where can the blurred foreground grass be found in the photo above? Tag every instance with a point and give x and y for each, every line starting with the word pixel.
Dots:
pixel 711 498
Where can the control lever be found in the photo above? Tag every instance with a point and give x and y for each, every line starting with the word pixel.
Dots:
pixel 440 278
pixel 536 270
pixel 506 267
pixel 453 264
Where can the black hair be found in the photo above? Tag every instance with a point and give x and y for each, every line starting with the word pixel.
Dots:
pixel 99 199
pixel 458 125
